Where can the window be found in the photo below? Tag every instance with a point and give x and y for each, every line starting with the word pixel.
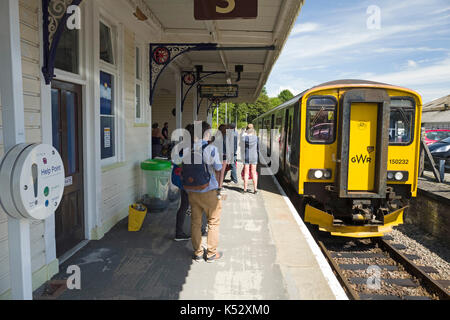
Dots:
pixel 67 52
pixel 139 112
pixel 106 44
pixel 110 96
pixel 107 116
pixel 401 125
pixel 321 120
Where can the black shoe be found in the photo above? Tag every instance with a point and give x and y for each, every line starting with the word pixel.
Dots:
pixel 256 192
pixel 215 257
pixel 197 258
pixel 243 191
pixel 182 237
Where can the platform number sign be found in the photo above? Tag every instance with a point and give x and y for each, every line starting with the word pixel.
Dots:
pixel 225 9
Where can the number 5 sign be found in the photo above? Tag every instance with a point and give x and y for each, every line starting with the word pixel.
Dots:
pixel 225 9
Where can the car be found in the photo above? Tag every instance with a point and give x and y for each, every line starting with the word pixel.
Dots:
pixel 432 136
pixel 441 151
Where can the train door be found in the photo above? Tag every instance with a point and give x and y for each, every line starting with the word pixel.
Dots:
pixel 290 131
pixel 272 126
pixel 284 137
pixel 362 147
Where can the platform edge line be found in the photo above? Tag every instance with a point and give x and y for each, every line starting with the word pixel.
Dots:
pixel 333 282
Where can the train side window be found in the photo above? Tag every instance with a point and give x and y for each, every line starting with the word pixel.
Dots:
pixel 321 120
pixel 401 124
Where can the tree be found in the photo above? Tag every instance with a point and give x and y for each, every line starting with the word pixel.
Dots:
pixel 285 95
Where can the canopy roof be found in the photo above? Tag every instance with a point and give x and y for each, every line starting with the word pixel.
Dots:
pixel 175 22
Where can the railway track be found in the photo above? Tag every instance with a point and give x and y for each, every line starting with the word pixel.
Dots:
pixel 376 268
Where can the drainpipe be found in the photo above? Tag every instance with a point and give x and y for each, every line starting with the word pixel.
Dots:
pixel 11 92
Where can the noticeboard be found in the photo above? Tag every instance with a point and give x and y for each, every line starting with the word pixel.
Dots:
pixel 211 91
pixel 225 9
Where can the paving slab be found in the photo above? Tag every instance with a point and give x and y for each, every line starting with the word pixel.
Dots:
pixel 266 257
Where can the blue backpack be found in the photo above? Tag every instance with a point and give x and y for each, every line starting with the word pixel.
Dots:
pixel 195 176
pixel 176 176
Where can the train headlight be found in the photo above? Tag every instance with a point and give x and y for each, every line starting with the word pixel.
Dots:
pixel 320 174
pixel 398 176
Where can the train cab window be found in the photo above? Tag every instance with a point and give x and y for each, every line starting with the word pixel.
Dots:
pixel 321 120
pixel 401 125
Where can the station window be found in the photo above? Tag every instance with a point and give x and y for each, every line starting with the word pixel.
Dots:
pixel 107 116
pixel 401 125
pixel 106 44
pixel 139 98
pixel 109 87
pixel 67 57
pixel 321 120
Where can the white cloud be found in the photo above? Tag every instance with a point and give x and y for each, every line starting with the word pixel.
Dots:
pixel 304 28
pixel 412 64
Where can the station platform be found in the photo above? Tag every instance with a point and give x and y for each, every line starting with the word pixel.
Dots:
pixel 268 255
pixel 427 184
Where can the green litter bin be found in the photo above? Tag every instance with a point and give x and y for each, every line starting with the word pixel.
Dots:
pixel 156 175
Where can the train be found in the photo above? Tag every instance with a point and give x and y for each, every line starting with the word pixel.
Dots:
pixel 349 149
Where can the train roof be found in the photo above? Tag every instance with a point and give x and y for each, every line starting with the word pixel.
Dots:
pixel 343 83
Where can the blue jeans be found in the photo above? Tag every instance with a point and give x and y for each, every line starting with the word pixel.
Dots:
pixel 234 177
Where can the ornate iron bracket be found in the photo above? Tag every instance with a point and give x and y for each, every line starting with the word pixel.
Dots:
pixel 189 80
pixel 162 54
pixel 54 19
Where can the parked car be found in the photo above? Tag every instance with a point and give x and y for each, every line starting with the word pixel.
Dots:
pixel 441 151
pixel 432 136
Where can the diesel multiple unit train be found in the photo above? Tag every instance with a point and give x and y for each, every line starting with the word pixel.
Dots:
pixel 350 150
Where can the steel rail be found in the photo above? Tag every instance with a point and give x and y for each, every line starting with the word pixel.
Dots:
pixel 342 279
pixel 413 269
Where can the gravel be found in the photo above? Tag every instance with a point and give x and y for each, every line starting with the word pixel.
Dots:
pixel 432 252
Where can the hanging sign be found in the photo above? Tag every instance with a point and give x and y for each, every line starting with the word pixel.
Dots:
pixel 225 9
pixel 219 91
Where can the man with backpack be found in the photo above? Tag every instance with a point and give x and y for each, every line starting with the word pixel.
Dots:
pixel 200 176
pixel 184 201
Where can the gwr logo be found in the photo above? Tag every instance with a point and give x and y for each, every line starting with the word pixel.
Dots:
pixel 361 159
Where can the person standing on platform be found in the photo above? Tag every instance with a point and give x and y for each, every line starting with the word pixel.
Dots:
pixel 157 139
pixel 165 131
pixel 234 136
pixel 250 152
pixel 200 180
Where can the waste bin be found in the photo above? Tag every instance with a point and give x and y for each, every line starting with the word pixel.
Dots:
pixel 156 181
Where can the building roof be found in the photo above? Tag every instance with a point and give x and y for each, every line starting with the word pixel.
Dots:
pixel 437 111
pixel 174 21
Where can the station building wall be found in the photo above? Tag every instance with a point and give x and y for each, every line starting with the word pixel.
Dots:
pixel 117 184
pixel 30 46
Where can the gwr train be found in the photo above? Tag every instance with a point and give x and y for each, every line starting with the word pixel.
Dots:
pixel 350 150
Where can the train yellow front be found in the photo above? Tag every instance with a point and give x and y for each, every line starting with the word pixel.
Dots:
pixel 350 150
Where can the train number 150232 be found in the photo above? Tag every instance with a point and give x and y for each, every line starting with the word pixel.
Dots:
pixel 399 161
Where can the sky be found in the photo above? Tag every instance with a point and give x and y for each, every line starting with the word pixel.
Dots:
pixel 409 46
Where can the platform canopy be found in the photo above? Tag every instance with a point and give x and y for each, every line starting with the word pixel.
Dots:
pixel 175 22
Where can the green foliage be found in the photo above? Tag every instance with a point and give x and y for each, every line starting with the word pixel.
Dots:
pixel 245 113
pixel 285 95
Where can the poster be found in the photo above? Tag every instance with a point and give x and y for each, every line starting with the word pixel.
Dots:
pixel 107 137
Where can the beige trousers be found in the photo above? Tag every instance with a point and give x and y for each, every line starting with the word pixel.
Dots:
pixel 205 202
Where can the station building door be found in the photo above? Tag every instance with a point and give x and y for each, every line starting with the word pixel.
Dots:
pixel 67 133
